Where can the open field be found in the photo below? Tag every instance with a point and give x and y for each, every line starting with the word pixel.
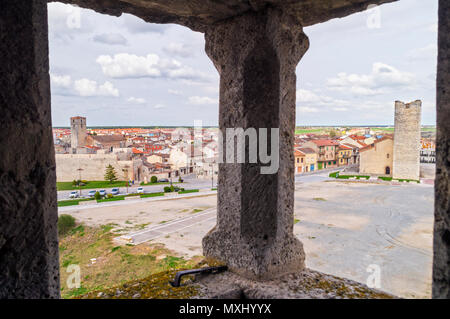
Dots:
pixel 113 264
pixel 345 228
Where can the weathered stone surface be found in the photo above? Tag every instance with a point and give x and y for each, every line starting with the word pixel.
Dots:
pixel 406 164
pixel 198 14
pixel 28 212
pixel 441 258
pixel 256 55
pixel 307 284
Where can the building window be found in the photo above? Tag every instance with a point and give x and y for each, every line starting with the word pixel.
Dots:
pixel 387 155
pixel 302 160
pixel 297 160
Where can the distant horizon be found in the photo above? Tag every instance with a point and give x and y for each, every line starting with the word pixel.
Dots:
pixel 176 126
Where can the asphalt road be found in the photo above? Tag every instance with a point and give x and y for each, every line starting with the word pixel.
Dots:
pixel 189 183
pixel 178 225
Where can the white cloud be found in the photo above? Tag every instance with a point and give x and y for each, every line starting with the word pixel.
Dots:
pixel 110 38
pixel 136 100
pixel 137 25
pixel 202 100
pixel 433 28
pixel 305 109
pixel 427 52
pixel 307 96
pixel 178 49
pixel 66 21
pixel 159 106
pixel 126 65
pixel 382 76
pixel 64 81
pixel 340 109
pixel 174 92
pixel 86 87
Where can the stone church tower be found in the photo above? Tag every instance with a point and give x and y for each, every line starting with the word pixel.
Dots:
pixel 78 132
pixel 407 140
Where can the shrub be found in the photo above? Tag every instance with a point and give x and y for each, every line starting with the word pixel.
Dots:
pixel 180 179
pixel 97 196
pixel 109 196
pixel 167 189
pixel 65 224
pixel 154 179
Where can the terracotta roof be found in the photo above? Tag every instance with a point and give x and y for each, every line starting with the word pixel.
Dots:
pixel 298 153
pixel 325 142
pixel 108 138
pixel 349 145
pixel 307 150
pixel 342 146
pixel 368 147
pixel 136 151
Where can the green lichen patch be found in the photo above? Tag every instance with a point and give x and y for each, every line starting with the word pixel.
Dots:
pixel 156 286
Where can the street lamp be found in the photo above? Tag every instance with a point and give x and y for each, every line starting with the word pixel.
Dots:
pixel 79 179
pixel 125 172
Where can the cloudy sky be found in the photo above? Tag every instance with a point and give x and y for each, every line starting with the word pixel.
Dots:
pixel 123 71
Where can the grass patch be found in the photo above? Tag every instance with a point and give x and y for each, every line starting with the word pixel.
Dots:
pixel 309 130
pixel 188 191
pixel 65 224
pixel 67 186
pixel 213 189
pixel 112 199
pixel 115 265
pixel 196 210
pixel 334 175
pixel 71 202
pixel 151 195
pixel 296 220
pixel 158 183
pixel 384 178
pixel 353 176
pixel 319 199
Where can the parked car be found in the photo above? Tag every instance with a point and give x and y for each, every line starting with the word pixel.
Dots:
pixel 73 194
pixel 163 180
pixel 102 192
pixel 115 191
pixel 140 190
pixel 92 193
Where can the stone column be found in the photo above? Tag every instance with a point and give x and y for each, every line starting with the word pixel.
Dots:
pixel 441 249
pixel 256 55
pixel 28 211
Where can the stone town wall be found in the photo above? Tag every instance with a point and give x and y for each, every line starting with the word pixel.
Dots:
pixel 93 165
pixel 407 140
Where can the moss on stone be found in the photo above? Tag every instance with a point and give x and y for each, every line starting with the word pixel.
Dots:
pixel 156 286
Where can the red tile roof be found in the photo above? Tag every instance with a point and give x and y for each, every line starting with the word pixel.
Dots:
pixel 325 142
pixel 136 151
pixel 368 147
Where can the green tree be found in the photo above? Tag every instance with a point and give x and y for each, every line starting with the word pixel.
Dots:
pixel 154 179
pixel 110 174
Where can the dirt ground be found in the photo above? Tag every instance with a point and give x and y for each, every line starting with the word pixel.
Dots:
pixel 346 228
